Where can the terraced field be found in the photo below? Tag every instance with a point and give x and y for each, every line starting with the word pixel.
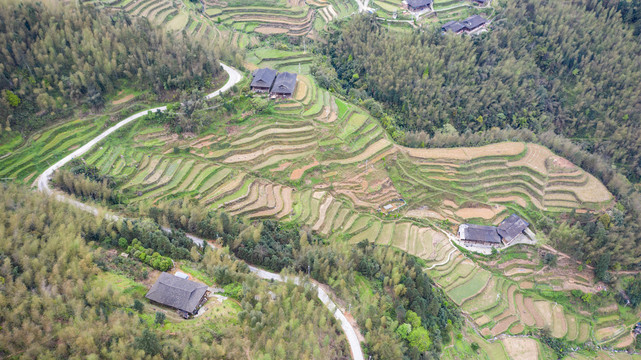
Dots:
pixel 488 182
pixel 317 160
pixel 46 148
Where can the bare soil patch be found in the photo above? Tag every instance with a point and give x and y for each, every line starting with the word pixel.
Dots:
pixel 480 212
pixel 468 153
pixel 521 348
pixel 606 332
pixel 560 326
pixel 529 305
pixel 625 341
pixel 281 167
pixel 545 309
pixel 424 213
pixel 503 325
pixel 526 285
pixel 123 99
pixel 450 203
pixel 525 315
pixel 517 328
pixel 298 173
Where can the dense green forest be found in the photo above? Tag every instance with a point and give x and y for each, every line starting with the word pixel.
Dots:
pixel 58 58
pixel 59 299
pixel 574 67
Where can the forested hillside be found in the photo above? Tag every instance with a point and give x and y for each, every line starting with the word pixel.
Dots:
pixel 63 297
pixel 574 67
pixel 57 58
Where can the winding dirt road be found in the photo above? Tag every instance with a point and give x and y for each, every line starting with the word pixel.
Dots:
pixel 42 183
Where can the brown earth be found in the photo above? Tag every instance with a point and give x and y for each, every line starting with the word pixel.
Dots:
pixel 469 153
pixel 281 167
pixel 298 173
pixel 521 348
pixel 480 212
pixel 270 30
pixel 123 99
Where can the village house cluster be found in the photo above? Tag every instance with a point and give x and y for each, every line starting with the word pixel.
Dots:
pixel 421 5
pixel 510 230
pixel 278 85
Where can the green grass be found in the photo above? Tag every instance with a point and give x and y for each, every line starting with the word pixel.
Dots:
pixel 473 286
pixel 342 107
pixel 120 283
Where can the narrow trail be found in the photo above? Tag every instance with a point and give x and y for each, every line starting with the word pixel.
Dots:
pixel 42 183
pixel 443 262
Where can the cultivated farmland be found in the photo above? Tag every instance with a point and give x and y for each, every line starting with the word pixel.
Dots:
pixel 319 161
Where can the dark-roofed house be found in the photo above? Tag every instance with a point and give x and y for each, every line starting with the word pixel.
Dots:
pixel 453 26
pixel 184 295
pixel 418 5
pixel 479 235
pixel 470 24
pixel 284 85
pixel 263 80
pixel 512 227
pixel 474 22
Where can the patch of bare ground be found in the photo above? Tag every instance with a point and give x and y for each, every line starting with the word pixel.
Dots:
pixel 298 173
pixel 202 142
pixel 625 342
pixel 281 167
pixel 503 325
pixel 234 129
pixel 528 302
pixel 424 212
pixel 517 328
pixel 526 285
pixel 479 212
pixel 519 348
pixel 123 100
pixel 525 316
pixel 469 153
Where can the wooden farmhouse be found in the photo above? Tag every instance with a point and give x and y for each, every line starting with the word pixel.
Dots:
pixel 262 80
pixel 471 234
pixel 186 296
pixel 471 24
pixel 509 230
pixel 284 85
pixel 419 5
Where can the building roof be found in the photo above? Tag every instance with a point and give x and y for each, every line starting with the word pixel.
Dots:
pixel 484 233
pixel 474 22
pixel 512 226
pixel 178 293
pixel 285 83
pixel 263 77
pixel 419 3
pixel 453 25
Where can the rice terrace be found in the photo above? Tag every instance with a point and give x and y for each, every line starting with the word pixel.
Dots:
pixel 366 226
